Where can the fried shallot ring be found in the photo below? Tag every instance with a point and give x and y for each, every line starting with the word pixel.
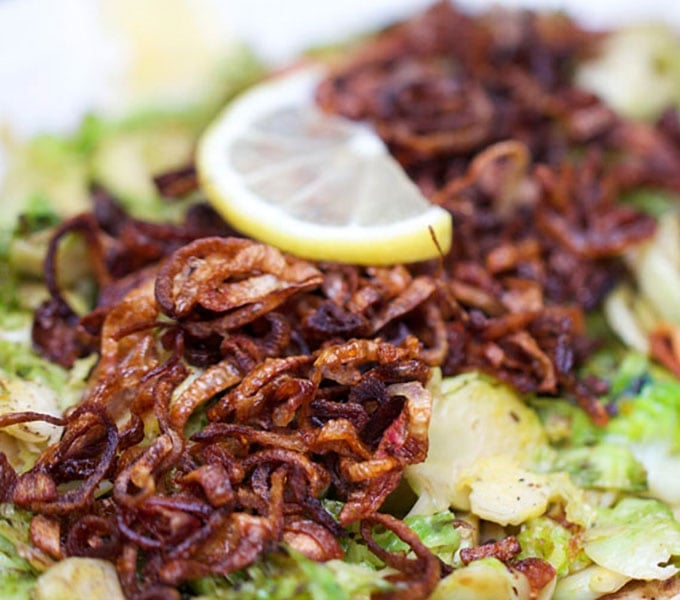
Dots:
pixel 230 275
pixel 51 503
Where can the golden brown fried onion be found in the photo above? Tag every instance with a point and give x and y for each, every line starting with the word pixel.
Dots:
pixel 311 377
pixel 127 483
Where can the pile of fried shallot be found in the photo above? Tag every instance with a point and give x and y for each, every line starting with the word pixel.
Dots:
pixel 237 386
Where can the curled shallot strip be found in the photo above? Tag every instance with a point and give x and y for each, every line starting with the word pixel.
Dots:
pixel 311 539
pixel 340 363
pixel 421 574
pixel 234 546
pixel 501 171
pixel 248 395
pixel 86 225
pixel 127 331
pixel 418 409
pixel 213 380
pixel 230 274
pixel 403 442
pixel 56 332
pixel 140 473
pixel 177 183
pixel 48 501
pixel 8 419
pixel 316 476
pixel 341 437
pixel 93 536
pixel 214 481
pixel 418 291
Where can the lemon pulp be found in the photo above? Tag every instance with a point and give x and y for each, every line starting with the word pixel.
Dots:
pixel 315 185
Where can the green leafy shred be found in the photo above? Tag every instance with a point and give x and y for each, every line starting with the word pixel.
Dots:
pixel 643 433
pixel 647 403
pixel 565 424
pixel 438 532
pixel 287 574
pixel 652 201
pixel 20 361
pixel 12 314
pixel 548 540
pixel 638 538
pixel 644 399
pixel 604 466
pixel 17 575
pixel 38 215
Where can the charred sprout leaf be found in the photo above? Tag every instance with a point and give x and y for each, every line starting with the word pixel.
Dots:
pixel 546 539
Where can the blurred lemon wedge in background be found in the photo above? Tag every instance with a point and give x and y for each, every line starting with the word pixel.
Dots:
pixel 173 51
pixel 312 184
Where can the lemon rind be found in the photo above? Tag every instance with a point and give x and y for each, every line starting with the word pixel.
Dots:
pixel 407 241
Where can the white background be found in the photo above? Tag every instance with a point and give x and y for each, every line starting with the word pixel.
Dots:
pixel 59 60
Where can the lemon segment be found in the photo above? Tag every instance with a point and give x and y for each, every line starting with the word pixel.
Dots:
pixel 317 186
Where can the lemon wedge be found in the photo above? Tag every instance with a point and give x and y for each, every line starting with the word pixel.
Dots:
pixel 315 185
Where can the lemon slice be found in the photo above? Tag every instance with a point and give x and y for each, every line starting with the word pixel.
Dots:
pixel 317 186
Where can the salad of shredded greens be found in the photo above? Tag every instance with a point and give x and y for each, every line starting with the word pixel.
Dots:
pixel 601 505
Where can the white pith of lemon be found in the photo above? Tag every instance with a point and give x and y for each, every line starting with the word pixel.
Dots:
pixel 317 186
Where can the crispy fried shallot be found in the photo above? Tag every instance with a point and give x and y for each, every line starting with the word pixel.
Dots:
pixel 284 428
pixel 238 387
pixel 483 114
